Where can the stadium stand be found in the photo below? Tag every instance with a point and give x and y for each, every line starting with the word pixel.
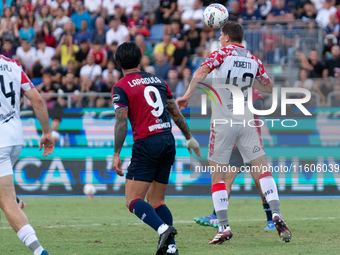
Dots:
pixel 280 32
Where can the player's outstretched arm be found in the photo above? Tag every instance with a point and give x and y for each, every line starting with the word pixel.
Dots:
pixel 183 126
pixel 266 89
pixel 199 76
pixel 40 111
pixel 120 134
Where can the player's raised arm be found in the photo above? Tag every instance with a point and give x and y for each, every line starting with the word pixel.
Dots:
pixel 266 89
pixel 199 76
pixel 183 126
pixel 40 111
pixel 262 81
pixel 120 134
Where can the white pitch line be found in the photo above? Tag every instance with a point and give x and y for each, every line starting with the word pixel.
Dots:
pixel 175 222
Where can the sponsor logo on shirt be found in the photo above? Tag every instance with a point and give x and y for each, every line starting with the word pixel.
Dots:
pixel 7 117
pixel 159 126
pixel 116 97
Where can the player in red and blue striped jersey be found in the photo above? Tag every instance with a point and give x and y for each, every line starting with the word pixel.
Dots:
pixel 148 103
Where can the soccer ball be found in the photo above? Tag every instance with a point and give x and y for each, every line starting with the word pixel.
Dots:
pixel 56 136
pixel 215 15
pixel 89 190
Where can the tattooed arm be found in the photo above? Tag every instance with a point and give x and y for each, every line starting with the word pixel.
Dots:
pixel 120 128
pixel 178 118
pixel 183 126
pixel 120 134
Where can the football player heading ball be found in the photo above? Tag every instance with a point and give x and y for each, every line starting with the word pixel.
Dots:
pixel 223 137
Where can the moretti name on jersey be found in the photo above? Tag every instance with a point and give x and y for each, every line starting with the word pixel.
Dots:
pixel 149 80
pixel 242 64
pixel 5 68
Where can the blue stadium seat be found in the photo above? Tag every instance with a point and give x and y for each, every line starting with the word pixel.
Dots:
pixel 36 81
pixel 148 44
pixel 156 32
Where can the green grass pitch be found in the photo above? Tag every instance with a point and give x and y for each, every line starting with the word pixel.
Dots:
pixel 81 226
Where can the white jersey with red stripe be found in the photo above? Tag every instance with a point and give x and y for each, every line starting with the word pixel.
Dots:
pixel 13 82
pixel 236 66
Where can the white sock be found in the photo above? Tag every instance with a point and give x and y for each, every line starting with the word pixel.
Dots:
pixel 27 235
pixel 220 200
pixel 268 187
pixel 162 228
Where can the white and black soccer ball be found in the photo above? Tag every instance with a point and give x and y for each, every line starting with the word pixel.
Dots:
pixel 56 136
pixel 215 16
pixel 89 189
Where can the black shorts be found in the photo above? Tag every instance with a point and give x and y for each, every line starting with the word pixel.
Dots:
pixel 152 158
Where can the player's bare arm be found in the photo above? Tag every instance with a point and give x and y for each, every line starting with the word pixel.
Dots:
pixel 120 134
pixel 182 124
pixel 266 89
pixel 199 76
pixel 41 113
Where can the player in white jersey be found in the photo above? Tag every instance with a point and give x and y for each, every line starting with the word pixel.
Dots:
pixel 233 65
pixel 13 82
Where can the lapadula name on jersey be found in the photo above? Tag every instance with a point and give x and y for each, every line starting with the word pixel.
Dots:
pixel 149 80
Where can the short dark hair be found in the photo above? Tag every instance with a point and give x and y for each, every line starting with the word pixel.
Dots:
pixel 128 55
pixel 83 41
pixel 55 58
pixel 56 118
pixel 234 31
pixel 40 40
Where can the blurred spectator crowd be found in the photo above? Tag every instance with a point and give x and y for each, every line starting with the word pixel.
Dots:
pixel 68 46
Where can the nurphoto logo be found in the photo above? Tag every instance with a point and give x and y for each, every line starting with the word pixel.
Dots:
pixel 238 99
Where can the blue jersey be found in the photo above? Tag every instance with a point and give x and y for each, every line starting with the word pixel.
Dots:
pixel 254 16
pixel 280 12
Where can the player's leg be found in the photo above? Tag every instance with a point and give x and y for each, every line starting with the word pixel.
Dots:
pixel 211 220
pixel 8 203
pixel 250 147
pixel 21 204
pixel 144 166
pixel 156 193
pixel 235 163
pixel 266 207
pixel 222 140
pixel 258 104
pixel 221 202
pixel 155 197
pixel 135 192
pixel 269 187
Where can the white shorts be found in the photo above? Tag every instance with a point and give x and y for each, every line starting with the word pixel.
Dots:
pixel 222 140
pixel 8 156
